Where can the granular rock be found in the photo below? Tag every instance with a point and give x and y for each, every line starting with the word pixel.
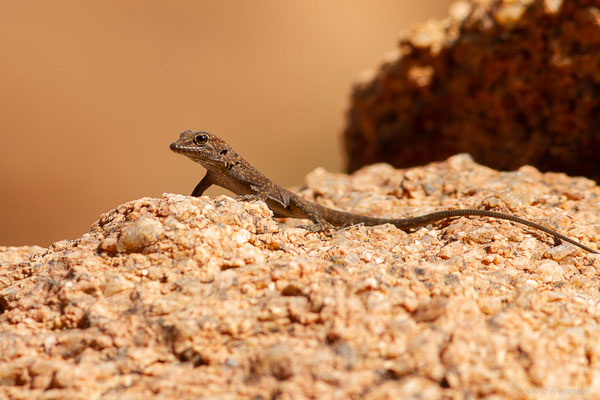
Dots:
pixel 181 297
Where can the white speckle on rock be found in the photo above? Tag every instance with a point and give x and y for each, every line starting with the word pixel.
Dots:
pixel 550 271
pixel 552 6
pixel 114 284
pixel 242 236
pixel 510 13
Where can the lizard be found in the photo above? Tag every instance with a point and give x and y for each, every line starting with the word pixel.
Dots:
pixel 226 168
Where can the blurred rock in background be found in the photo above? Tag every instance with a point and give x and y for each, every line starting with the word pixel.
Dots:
pixel 510 82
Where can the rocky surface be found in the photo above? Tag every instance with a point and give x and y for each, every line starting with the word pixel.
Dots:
pixel 182 297
pixel 511 82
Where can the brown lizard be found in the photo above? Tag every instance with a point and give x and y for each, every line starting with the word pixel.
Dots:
pixel 226 168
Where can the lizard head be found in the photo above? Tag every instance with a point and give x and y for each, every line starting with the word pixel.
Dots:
pixel 204 148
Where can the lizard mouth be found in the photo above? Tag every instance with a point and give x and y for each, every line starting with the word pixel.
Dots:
pixel 177 148
pixel 194 153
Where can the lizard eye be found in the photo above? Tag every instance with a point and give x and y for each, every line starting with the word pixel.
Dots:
pixel 200 139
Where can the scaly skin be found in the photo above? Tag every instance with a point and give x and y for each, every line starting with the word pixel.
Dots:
pixel 228 169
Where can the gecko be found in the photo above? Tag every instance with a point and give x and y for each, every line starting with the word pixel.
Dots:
pixel 226 168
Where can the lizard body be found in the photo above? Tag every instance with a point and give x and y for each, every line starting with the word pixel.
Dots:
pixel 228 169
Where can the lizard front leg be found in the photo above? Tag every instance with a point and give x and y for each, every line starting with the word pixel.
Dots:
pixel 204 184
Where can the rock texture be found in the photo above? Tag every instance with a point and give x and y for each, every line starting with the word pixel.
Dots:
pixel 183 297
pixel 510 82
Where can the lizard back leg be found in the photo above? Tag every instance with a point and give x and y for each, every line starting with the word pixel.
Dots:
pixel 313 212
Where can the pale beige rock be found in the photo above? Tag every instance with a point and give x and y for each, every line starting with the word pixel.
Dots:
pixel 183 297
pixel 139 234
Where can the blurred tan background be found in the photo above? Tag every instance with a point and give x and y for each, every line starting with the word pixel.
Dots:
pixel 92 93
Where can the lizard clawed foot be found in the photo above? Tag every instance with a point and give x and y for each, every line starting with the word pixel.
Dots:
pixel 349 225
pixel 248 197
pixel 319 227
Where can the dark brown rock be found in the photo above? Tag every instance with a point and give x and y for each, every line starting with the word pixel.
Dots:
pixel 510 82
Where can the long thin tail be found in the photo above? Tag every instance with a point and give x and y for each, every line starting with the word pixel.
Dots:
pixel 411 223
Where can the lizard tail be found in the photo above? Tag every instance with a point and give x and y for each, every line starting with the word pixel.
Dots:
pixel 411 223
